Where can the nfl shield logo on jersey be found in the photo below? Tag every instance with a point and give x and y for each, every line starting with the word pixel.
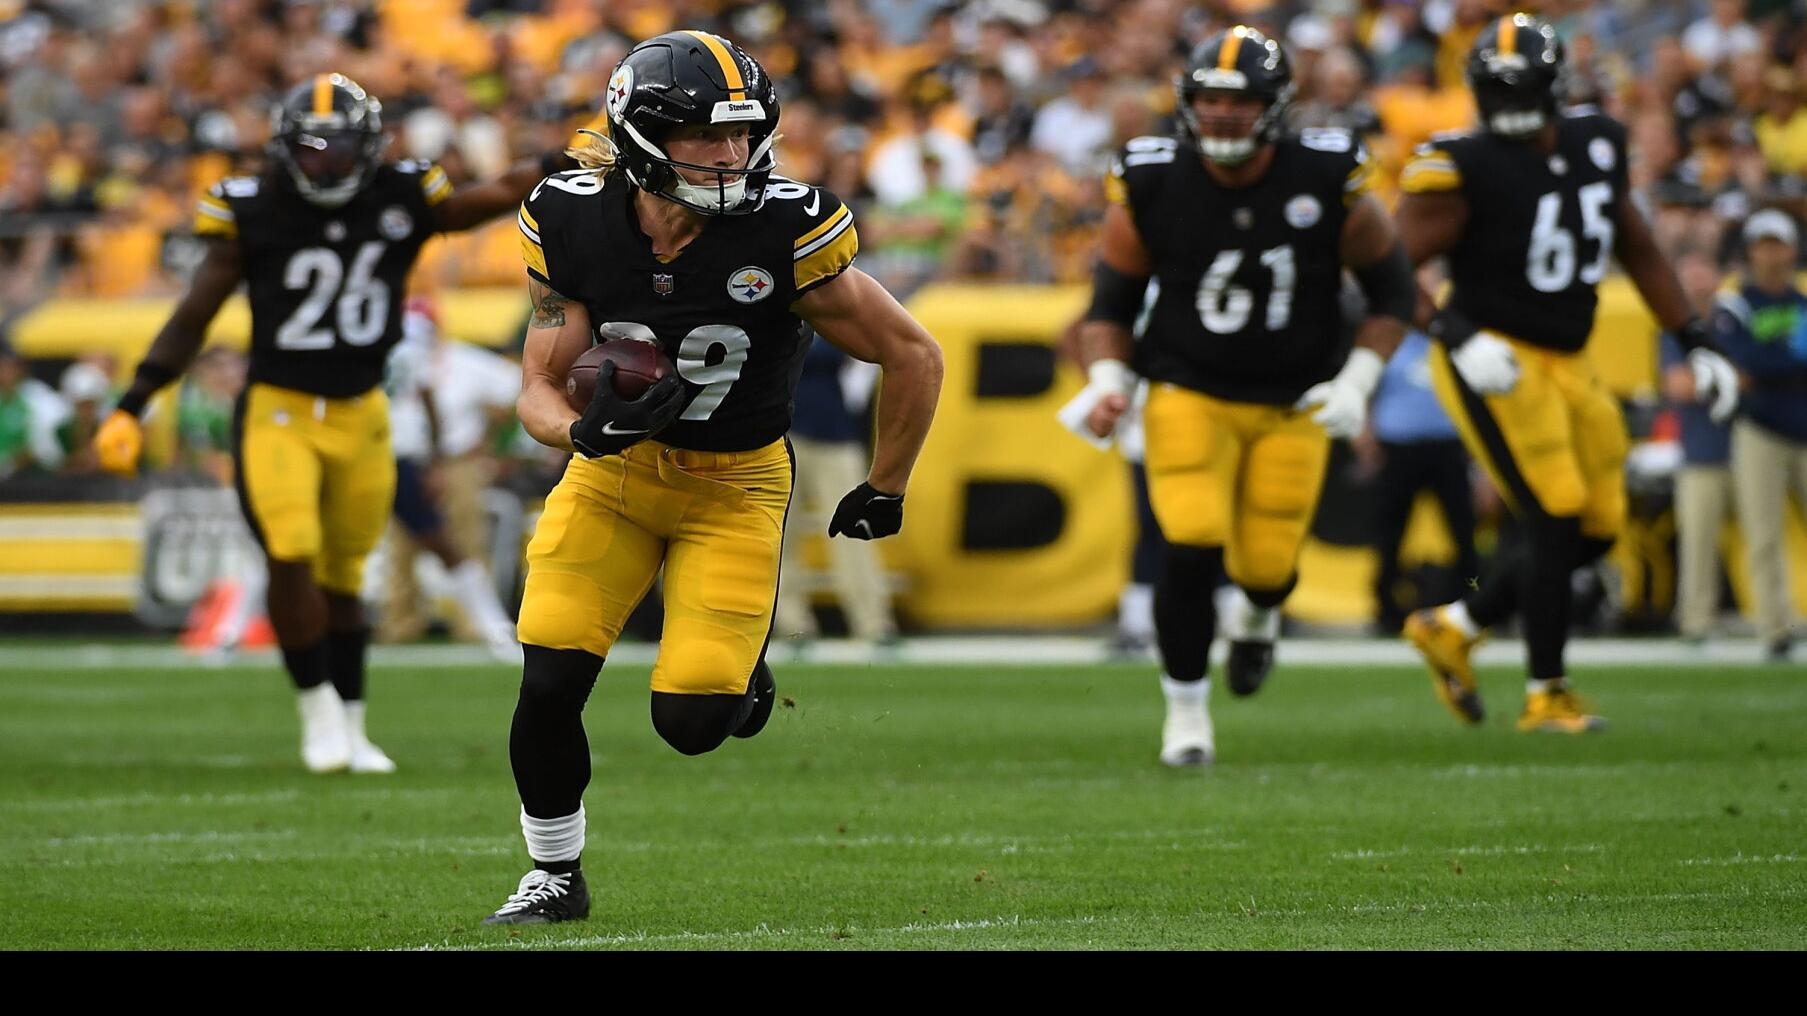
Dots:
pixel 750 284
pixel 395 223
pixel 663 283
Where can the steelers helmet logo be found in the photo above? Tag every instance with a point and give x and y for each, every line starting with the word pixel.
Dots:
pixel 621 85
pixel 750 285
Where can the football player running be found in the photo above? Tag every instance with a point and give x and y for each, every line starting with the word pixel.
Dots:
pixel 1247 232
pixel 1528 210
pixel 677 232
pixel 325 239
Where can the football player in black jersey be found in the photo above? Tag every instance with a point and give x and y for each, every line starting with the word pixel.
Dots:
pixel 1247 233
pixel 677 232
pixel 1528 210
pixel 324 239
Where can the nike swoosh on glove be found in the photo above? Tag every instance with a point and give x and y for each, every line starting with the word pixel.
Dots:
pixel 867 513
pixel 1715 383
pixel 611 423
pixel 1487 364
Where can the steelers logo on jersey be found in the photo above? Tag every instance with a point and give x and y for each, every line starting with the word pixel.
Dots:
pixel 1600 150
pixel 1303 212
pixel 395 223
pixel 750 284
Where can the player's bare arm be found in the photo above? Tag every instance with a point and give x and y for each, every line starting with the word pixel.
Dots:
pixel 476 204
pixel 1429 225
pixel 1106 346
pixel 558 331
pixel 1715 379
pixel 1373 252
pixel 857 314
pixel 119 439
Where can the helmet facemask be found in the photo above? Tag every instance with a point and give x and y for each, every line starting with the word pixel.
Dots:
pixel 656 172
pixel 328 168
pixel 1515 106
pixel 1230 139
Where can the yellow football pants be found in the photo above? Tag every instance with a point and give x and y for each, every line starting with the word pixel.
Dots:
pixel 1237 475
pixel 316 478
pixel 713 520
pixel 1554 444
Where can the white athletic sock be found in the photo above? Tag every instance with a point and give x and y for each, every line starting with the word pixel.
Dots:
pixel 1135 610
pixel 554 839
pixel 1185 692
pixel 1534 686
pixel 1457 614
pixel 477 595
pixel 354 721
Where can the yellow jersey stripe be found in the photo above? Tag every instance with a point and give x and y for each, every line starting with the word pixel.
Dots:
pixel 737 86
pixel 435 185
pixel 1424 178
pixel 535 257
pixel 828 260
pixel 215 208
pixel 1508 40
pixel 323 94
pixel 527 217
pixel 826 224
pixel 1232 47
pixel 1116 191
pixel 207 225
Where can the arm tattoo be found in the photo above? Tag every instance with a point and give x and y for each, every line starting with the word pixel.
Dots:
pixel 548 307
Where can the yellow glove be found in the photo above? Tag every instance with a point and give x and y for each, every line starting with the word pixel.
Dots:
pixel 118 443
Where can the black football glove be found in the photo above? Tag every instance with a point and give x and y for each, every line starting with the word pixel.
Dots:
pixel 867 514
pixel 610 423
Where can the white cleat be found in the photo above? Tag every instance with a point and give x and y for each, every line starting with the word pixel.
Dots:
pixel 502 643
pixel 325 743
pixel 1187 740
pixel 365 757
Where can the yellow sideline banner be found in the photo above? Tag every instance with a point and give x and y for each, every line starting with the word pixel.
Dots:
pixel 64 329
pixel 1013 522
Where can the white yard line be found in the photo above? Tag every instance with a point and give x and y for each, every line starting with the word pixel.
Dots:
pixel 1020 651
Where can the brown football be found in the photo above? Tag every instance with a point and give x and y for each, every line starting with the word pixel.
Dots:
pixel 637 365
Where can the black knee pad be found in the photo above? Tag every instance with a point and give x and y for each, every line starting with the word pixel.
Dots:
pixel 1268 599
pixel 557 679
pixel 696 724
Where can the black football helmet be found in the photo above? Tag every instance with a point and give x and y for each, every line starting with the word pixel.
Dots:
pixel 327 135
pixel 1243 61
pixel 1516 72
pixel 691 78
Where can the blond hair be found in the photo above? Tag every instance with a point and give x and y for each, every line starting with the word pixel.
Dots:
pixel 597 153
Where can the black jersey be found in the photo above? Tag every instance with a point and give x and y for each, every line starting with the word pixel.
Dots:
pixel 1540 227
pixel 1249 278
pixel 721 308
pixel 326 284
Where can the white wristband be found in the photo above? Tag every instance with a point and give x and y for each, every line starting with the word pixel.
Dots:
pixel 1362 370
pixel 1112 377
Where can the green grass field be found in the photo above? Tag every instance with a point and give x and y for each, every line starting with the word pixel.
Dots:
pixel 919 807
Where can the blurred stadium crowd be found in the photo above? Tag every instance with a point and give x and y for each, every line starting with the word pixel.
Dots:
pixel 971 138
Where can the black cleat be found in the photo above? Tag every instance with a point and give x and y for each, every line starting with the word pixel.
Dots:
pixel 545 898
pixel 765 693
pixel 1248 666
